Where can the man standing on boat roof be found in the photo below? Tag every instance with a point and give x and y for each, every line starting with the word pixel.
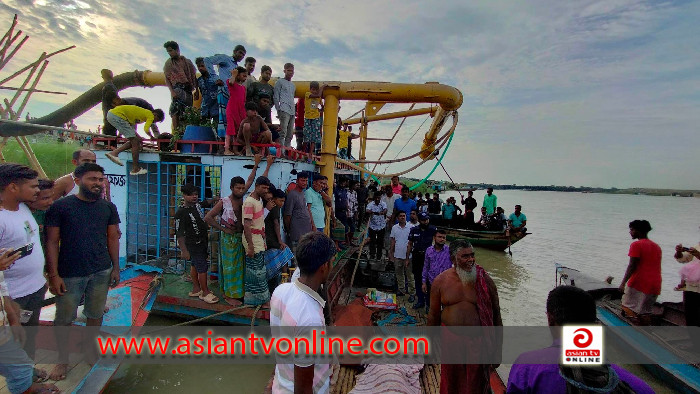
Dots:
pixel 283 99
pixel 465 295
pixel 643 275
pixel 490 201
pixel 419 240
pixel 539 371
pixel 469 207
pixel 206 83
pixel 181 80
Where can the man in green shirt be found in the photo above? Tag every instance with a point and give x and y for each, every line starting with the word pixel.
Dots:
pixel 490 201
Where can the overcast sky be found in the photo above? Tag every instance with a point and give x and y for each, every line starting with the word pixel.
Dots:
pixel 595 93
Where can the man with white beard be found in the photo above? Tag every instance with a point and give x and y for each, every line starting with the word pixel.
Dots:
pixel 464 295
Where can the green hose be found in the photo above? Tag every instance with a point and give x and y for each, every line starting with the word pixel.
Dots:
pixel 417 185
pixel 436 164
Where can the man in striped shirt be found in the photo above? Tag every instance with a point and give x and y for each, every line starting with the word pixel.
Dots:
pixel 298 308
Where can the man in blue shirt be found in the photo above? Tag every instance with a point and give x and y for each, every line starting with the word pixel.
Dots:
pixel 517 220
pixel 404 204
pixel 208 89
pixel 225 64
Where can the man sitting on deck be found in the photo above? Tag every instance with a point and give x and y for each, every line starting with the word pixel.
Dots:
pixel 643 275
pixel 464 295
pixel 253 130
pixel 299 307
pixel 539 371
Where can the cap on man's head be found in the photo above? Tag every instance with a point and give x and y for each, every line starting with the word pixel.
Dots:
pixel 262 181
pixel 423 216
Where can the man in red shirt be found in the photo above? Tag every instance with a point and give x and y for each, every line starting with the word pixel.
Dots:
pixel 643 275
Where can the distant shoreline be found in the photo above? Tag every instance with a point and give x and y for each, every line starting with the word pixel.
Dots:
pixel 583 189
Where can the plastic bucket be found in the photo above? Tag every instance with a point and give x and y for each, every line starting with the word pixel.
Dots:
pixel 197 133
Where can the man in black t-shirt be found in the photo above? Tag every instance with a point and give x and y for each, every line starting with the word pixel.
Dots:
pixel 419 239
pixel 82 245
pixel 193 240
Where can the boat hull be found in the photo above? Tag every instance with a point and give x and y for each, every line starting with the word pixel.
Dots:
pixel 494 240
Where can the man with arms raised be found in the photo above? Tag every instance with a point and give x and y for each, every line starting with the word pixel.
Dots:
pixel 65 185
pixel 82 254
pixel 464 295
pixel 298 307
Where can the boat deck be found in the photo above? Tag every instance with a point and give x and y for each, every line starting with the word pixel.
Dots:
pixel 77 370
pixel 173 300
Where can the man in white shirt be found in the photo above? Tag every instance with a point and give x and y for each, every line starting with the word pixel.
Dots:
pixel 18 228
pixel 389 198
pixel 298 308
pixel 399 255
pixel 376 210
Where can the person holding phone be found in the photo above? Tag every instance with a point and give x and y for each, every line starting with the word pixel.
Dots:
pixel 19 231
pixel 82 248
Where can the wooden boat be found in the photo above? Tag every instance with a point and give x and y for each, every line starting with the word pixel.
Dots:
pixel 458 228
pixel 681 375
pixel 129 304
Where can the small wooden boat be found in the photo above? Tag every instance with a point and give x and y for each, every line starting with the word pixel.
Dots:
pixel 681 375
pixel 494 240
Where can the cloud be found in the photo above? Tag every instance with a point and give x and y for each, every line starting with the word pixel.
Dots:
pixel 553 91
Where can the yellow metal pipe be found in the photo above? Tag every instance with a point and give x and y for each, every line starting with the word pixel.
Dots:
pixel 446 96
pixel 328 152
pixel 394 115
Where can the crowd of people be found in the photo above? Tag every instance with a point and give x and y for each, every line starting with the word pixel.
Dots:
pixel 236 103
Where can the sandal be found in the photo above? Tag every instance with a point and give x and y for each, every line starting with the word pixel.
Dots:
pixel 210 298
pixel 114 159
pixel 197 294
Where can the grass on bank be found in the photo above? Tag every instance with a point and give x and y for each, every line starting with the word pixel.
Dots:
pixel 55 157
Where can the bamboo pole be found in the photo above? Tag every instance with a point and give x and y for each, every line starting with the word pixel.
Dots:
pixel 35 90
pixel 24 84
pixel 14 51
pixel 9 31
pixel 31 89
pixel 34 64
pixel 8 44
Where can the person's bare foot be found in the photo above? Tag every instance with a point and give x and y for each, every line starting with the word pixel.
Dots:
pixel 233 301
pixel 248 152
pixel 59 372
pixel 43 388
pixel 228 152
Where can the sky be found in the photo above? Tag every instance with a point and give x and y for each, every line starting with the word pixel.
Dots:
pixel 584 93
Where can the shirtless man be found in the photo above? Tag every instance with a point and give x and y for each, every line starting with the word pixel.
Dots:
pixel 253 129
pixel 467 296
pixel 65 185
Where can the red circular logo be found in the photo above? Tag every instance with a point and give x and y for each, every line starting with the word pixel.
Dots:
pixel 584 339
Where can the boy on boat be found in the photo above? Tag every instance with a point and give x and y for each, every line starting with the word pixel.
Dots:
pixel 193 240
pixel 253 130
pixel 235 108
pixel 312 116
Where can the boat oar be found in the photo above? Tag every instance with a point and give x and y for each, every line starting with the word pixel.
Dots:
pixel 359 252
pixel 508 235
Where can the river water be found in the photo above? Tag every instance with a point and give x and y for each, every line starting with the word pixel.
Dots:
pixel 588 232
